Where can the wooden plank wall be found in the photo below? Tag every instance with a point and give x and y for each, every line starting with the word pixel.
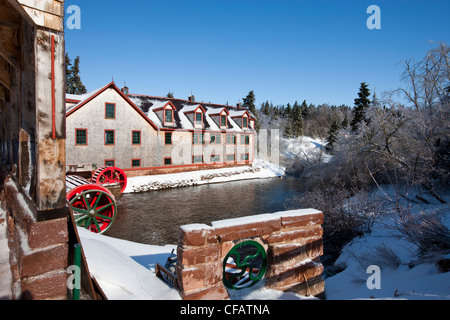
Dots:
pixel 32 92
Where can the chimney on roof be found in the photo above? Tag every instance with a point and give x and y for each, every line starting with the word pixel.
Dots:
pixel 191 98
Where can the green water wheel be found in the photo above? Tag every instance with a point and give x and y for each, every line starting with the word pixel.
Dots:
pixel 94 209
pixel 244 265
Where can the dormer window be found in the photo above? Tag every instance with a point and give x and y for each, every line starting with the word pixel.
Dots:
pixel 223 121
pixel 195 115
pixel 198 119
pixel 242 118
pixel 245 122
pixel 168 116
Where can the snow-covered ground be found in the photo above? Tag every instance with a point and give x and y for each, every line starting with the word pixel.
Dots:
pixel 403 275
pixel 5 271
pixel 304 148
pixel 259 170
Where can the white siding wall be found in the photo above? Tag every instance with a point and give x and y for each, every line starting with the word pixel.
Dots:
pixel 92 117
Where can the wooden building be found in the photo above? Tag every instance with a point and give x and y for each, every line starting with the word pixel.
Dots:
pixel 146 135
pixel 32 147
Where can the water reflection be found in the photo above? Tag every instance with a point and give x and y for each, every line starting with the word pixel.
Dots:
pixel 154 217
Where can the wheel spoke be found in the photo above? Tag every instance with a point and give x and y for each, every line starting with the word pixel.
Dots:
pixel 88 223
pixel 79 210
pixel 98 227
pixel 80 219
pixel 98 200
pixel 104 207
pixel 104 217
pixel 86 201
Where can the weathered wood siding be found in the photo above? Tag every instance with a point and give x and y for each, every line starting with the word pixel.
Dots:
pixel 92 117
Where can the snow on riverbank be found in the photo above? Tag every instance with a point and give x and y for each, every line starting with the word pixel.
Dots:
pixel 403 275
pixel 260 170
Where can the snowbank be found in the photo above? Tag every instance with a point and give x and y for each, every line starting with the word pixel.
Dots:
pixel 304 148
pixel 260 170
pixel 402 274
pixel 126 270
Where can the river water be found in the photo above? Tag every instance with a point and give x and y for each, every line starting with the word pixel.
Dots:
pixel 154 217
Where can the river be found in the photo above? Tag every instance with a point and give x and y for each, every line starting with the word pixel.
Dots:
pixel 154 217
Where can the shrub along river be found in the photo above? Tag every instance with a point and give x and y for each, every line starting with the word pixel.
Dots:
pixel 154 217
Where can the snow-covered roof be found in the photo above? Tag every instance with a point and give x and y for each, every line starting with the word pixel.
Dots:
pixel 150 107
pixel 183 107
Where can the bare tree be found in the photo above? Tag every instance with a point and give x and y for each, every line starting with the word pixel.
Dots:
pixel 428 80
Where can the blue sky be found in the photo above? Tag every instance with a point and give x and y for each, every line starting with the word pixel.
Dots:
pixel 285 50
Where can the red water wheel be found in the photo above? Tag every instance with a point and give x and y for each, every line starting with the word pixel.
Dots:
pixel 110 175
pixel 93 206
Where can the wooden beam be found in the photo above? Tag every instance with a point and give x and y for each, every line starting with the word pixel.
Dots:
pixel 10 22
pixel 5 73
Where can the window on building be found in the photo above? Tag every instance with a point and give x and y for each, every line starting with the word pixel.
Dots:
pixel 110 111
pixel 110 163
pixel 244 122
pixel 231 139
pixel 198 138
pixel 137 137
pixel 168 138
pixel 197 159
pixel 167 161
pixel 215 158
pixel 231 157
pixel 135 163
pixel 168 115
pixel 244 157
pixel 198 118
pixel 215 138
pixel 223 121
pixel 109 137
pixel 81 137
pixel 245 139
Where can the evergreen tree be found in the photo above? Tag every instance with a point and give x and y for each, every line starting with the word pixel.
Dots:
pixel 288 111
pixel 275 113
pixel 361 105
pixel 332 135
pixel 344 123
pixel 298 124
pixel 288 130
pixel 68 73
pixel 375 101
pixel 265 108
pixel 74 85
pixel 295 110
pixel 249 102
pixel 304 109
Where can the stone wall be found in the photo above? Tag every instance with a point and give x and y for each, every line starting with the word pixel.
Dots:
pixel 292 240
pixel 38 249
